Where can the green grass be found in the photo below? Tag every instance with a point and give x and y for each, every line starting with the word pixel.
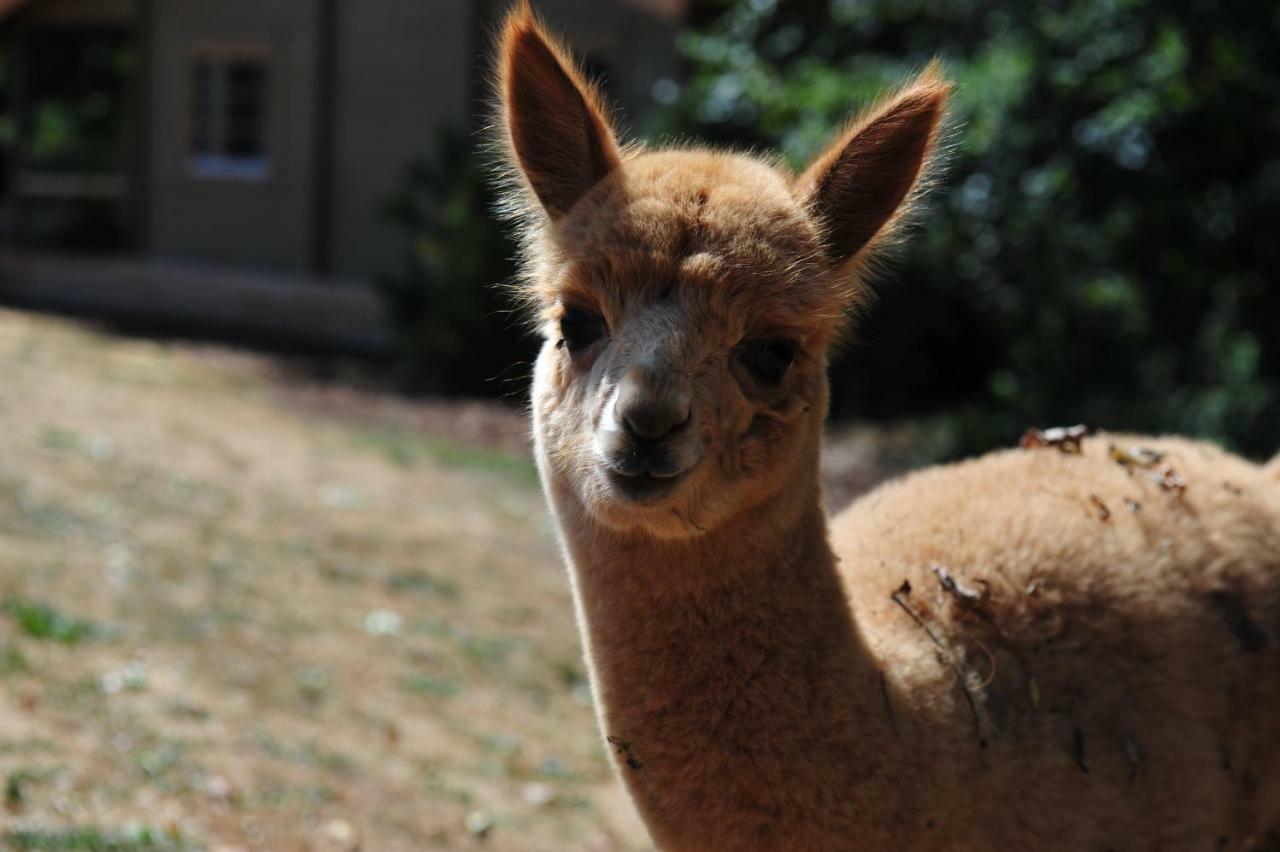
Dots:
pixel 64 440
pixel 23 513
pixel 437 687
pixel 159 761
pixel 41 621
pixel 422 582
pixel 13 792
pixel 13 661
pixel 141 839
pixel 487 651
pixel 19 781
pixel 406 449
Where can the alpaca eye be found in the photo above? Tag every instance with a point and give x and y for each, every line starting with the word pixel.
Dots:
pixel 580 328
pixel 768 360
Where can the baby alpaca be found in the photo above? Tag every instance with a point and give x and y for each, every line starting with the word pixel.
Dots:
pixel 1073 645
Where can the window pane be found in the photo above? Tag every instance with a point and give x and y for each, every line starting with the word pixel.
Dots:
pixel 202 110
pixel 246 110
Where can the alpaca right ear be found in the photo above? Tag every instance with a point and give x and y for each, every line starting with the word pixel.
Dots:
pixel 552 117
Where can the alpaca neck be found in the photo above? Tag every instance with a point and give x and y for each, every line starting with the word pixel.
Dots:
pixel 726 667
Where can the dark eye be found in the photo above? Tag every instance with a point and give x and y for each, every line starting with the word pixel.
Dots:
pixel 768 360
pixel 580 328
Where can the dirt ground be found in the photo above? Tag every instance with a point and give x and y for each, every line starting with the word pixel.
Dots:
pixel 243 613
pixel 241 609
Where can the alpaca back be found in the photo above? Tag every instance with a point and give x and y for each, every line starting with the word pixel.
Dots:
pixel 1088 627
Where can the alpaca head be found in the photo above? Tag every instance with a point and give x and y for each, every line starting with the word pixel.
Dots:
pixel 688 298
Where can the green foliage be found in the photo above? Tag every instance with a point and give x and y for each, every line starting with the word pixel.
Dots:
pixel 41 621
pixel 1104 248
pixel 78 87
pixel 455 327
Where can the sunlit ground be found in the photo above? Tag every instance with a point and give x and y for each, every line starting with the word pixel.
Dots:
pixel 236 616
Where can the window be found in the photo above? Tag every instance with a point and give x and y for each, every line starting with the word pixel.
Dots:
pixel 229 116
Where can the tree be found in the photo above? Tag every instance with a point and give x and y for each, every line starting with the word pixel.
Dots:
pixel 1103 247
pixel 456 328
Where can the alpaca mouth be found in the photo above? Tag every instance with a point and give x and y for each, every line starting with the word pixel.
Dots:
pixel 644 486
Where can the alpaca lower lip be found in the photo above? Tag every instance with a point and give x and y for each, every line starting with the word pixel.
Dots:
pixel 643 487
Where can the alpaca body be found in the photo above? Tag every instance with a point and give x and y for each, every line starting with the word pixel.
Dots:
pixel 1124 636
pixel 1116 669
pixel 1031 651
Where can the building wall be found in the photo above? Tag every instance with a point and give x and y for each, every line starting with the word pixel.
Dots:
pixel 80 11
pixel 403 75
pixel 630 48
pixel 409 71
pixel 251 222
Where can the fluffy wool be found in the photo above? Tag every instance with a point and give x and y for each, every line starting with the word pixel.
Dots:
pixel 1072 646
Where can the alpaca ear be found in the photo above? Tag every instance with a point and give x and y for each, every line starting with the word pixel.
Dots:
pixel 860 185
pixel 553 119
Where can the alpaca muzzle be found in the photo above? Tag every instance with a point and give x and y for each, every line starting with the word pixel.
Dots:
pixel 646 441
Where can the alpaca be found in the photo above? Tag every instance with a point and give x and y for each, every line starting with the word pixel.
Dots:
pixel 1073 645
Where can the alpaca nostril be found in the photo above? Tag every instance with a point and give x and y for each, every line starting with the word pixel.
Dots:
pixel 653 422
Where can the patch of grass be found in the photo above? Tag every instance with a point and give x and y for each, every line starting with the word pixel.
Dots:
pixel 318 794
pixel 19 781
pixel 156 762
pixel 488 650
pixel 13 794
pixel 437 687
pixel 57 438
pixel 13 661
pixel 408 450
pixel 554 769
pixel 307 754
pixel 41 621
pixel 438 786
pixel 157 490
pixel 52 518
pixel 28 746
pixel 22 513
pixel 81 695
pixel 139 839
pixel 569 673
pixel 313 683
pixel 422 582
pixel 486 461
pixel 183 709
pixel 436 628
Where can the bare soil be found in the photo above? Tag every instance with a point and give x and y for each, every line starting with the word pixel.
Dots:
pixel 237 613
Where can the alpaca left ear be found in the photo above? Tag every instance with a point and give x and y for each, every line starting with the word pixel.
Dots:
pixel 555 122
pixel 860 185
